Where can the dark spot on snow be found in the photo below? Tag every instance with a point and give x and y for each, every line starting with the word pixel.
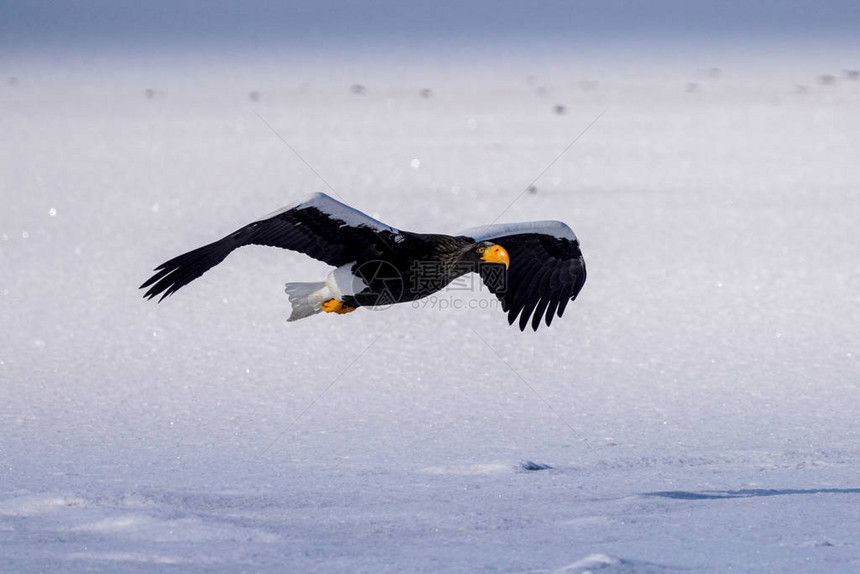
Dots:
pixel 712 73
pixel 357 89
pixel 529 465
pixel 692 88
pixel 852 74
pixel 532 189
pixel 560 109
pixel 149 93
pixel 255 96
pixel 747 493
pixel 827 80
pixel 13 81
pixel 426 93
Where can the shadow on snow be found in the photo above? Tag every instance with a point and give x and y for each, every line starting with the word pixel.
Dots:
pixel 747 493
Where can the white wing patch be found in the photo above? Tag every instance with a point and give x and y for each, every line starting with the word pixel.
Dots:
pixel 552 228
pixel 337 210
pixel 341 282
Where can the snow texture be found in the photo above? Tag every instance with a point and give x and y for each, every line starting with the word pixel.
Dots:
pixel 695 410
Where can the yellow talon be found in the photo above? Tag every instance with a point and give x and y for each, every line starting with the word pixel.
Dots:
pixel 335 306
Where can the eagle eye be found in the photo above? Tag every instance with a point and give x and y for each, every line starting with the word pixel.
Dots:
pixel 481 250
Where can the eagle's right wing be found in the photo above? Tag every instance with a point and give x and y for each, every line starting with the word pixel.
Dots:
pixel 547 269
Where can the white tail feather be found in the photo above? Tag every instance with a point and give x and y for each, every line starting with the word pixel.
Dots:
pixel 307 298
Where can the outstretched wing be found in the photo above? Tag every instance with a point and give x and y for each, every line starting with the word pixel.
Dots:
pixel 547 269
pixel 319 226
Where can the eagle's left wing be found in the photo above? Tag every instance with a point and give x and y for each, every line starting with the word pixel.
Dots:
pixel 546 270
pixel 319 226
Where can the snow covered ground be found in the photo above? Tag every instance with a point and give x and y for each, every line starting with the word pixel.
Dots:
pixel 697 407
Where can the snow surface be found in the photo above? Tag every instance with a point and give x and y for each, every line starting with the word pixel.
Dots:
pixel 695 410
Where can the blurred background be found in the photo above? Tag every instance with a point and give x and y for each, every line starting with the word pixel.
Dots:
pixel 395 30
pixel 704 153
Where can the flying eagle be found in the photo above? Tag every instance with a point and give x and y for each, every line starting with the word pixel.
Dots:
pixel 534 268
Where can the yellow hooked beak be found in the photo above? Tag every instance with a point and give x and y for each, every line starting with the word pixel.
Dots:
pixel 497 254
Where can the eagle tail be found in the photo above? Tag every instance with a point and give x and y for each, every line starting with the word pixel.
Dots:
pixel 307 298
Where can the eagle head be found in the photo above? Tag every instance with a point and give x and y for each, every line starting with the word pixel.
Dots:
pixel 490 252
